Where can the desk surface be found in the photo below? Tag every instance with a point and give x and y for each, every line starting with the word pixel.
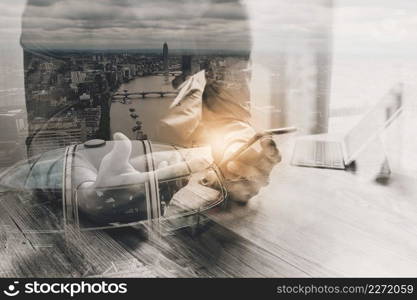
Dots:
pixel 307 222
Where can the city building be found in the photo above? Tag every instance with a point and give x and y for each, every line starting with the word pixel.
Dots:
pixel 54 133
pixel 91 116
pixel 165 56
pixel 13 131
pixel 189 65
pixel 85 99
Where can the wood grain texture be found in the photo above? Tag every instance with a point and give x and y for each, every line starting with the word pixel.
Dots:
pixel 307 222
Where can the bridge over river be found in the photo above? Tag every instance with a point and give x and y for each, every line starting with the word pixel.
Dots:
pixel 131 95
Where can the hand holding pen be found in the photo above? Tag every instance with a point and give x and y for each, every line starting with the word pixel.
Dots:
pixel 246 169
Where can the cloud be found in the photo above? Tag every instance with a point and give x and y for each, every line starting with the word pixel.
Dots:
pixel 204 24
pixel 356 26
pixel 44 3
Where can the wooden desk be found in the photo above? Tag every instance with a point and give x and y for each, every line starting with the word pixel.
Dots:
pixel 307 222
pixel 340 223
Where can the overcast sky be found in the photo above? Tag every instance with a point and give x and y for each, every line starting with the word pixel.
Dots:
pixel 143 24
pixel 358 26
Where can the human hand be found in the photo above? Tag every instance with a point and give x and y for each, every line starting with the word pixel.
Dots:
pixel 117 168
pixel 120 176
pixel 247 174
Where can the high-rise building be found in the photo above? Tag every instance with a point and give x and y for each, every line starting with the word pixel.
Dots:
pixel 54 133
pixel 189 64
pixel 165 56
pixel 92 116
pixel 186 64
pixel 13 131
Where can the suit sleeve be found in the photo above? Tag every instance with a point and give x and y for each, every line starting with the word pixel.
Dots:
pixel 226 106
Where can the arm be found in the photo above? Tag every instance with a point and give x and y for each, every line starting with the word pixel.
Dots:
pixel 226 114
pixel 226 105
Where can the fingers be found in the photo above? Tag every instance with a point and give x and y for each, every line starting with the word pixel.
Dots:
pixel 265 149
pixel 198 164
pixel 134 177
pixel 181 169
pixel 248 172
pixel 250 154
pixel 121 150
pixel 161 158
pixel 210 179
pixel 270 150
pixel 263 156
pixel 163 164
pixel 116 169
pixel 115 163
pixel 241 191
pixel 268 157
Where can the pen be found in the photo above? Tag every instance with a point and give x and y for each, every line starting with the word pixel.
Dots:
pixel 278 131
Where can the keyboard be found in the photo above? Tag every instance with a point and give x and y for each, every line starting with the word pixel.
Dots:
pixel 316 153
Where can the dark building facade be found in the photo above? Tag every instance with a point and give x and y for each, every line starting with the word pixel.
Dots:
pixel 165 56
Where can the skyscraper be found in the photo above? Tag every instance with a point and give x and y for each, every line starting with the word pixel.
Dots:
pixel 165 56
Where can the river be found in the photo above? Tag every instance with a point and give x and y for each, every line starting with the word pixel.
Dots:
pixel 150 110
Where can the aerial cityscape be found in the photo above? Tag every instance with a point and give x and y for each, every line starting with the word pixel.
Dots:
pixel 69 94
